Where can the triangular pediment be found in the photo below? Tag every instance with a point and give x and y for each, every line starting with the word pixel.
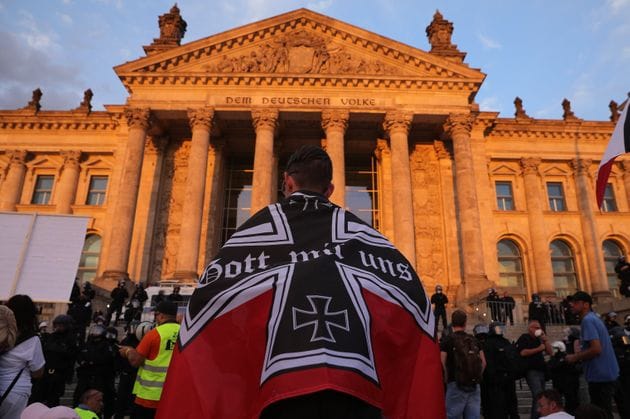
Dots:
pixel 504 170
pixel 299 43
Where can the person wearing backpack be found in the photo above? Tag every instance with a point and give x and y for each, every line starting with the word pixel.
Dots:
pixel 531 346
pixel 463 363
pixel 498 376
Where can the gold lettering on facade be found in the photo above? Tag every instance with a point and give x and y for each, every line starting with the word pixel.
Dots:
pixel 300 101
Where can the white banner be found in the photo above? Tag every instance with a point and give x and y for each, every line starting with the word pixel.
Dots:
pixel 39 254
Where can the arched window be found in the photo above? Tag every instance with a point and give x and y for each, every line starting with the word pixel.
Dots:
pixel 563 265
pixel 89 258
pixel 612 251
pixel 510 264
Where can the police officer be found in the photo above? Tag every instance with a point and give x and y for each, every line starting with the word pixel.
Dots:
pixel 96 368
pixel 60 352
pixel 439 301
pixel 498 377
pixel 153 356
pixel 621 344
pixel 126 376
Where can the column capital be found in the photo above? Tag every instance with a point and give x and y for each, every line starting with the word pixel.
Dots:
pixel 581 166
pixel 138 117
pixel 265 118
pixel 335 119
pixel 459 123
pixel 382 148
pixel 530 165
pixel 17 157
pixel 201 117
pixel 440 150
pixel 70 158
pixel 397 121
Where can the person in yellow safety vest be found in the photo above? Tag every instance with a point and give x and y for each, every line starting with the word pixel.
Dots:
pixel 153 356
pixel 91 404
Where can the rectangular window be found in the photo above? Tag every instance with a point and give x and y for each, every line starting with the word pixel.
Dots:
pixel 556 196
pixel 362 192
pixel 505 197
pixel 609 204
pixel 238 196
pixel 43 189
pixel 97 190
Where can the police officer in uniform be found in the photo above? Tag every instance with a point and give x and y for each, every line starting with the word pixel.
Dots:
pixel 153 356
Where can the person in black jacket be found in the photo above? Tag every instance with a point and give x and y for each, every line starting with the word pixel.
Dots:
pixel 119 295
pixel 537 311
pixel 622 268
pixel 96 368
pixel 494 302
pixel 531 346
pixel 565 377
pixel 60 352
pixel 498 377
pixel 126 376
pixel 439 301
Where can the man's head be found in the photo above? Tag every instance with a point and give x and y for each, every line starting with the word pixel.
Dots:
pixel 458 319
pixel 309 168
pixel 176 290
pixel 581 303
pixel 549 401
pixel 165 311
pixel 533 327
pixel 438 288
pixel 93 399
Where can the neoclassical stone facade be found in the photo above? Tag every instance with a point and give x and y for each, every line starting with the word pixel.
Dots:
pixel 472 199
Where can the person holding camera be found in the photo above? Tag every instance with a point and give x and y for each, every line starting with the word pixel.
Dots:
pixel 531 346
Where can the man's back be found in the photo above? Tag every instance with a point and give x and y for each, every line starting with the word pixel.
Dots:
pixel 603 367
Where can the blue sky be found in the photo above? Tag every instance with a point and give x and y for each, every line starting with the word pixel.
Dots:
pixel 541 50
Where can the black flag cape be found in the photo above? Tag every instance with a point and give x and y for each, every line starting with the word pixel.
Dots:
pixel 304 297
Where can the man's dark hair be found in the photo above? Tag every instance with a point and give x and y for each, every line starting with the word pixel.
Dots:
pixel 311 168
pixel 551 395
pixel 458 318
pixel 25 313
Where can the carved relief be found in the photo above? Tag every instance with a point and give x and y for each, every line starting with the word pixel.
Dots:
pixel 581 166
pixel 441 150
pixel 335 119
pixel 138 117
pixel 17 157
pixel 300 52
pixel 382 149
pixel 155 144
pixel 169 210
pixel 427 206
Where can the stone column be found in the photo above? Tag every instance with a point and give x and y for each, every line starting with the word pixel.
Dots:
pixel 541 255
pixel 12 185
pixel 125 207
pixel 626 179
pixel 335 123
pixel 68 181
pixel 474 279
pixel 397 125
pixel 265 123
pixel 592 245
pixel 384 156
pixel 215 199
pixel 192 211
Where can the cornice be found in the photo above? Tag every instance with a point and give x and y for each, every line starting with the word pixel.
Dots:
pixel 545 129
pixel 274 80
pixel 56 120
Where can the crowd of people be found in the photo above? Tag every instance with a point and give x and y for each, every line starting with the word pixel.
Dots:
pixel 484 381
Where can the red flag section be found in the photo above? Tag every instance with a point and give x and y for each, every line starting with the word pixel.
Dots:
pixel 619 144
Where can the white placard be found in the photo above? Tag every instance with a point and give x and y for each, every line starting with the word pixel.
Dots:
pixel 39 255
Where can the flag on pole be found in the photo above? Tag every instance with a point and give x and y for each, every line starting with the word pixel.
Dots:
pixel 619 144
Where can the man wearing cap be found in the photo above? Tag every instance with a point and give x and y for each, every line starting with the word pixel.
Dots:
pixel 153 356
pixel 600 365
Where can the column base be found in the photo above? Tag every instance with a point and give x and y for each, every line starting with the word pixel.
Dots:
pixel 602 297
pixel 186 276
pixel 115 276
pixel 473 290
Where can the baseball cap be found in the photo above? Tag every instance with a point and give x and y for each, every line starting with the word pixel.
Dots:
pixel 582 296
pixel 166 307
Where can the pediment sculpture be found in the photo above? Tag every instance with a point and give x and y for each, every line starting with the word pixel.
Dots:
pixel 300 52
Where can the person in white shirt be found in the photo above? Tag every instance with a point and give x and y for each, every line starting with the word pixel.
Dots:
pixel 550 405
pixel 23 362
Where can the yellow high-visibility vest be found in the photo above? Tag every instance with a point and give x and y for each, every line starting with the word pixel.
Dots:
pixel 152 375
pixel 85 414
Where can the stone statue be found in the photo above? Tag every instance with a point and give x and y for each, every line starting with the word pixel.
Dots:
pixel 614 111
pixel 520 112
pixel 439 33
pixel 568 113
pixel 172 30
pixel 34 104
pixel 86 103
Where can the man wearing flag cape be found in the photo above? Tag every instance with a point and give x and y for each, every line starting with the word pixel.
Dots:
pixel 306 312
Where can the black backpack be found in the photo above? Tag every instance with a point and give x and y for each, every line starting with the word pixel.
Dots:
pixel 468 366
